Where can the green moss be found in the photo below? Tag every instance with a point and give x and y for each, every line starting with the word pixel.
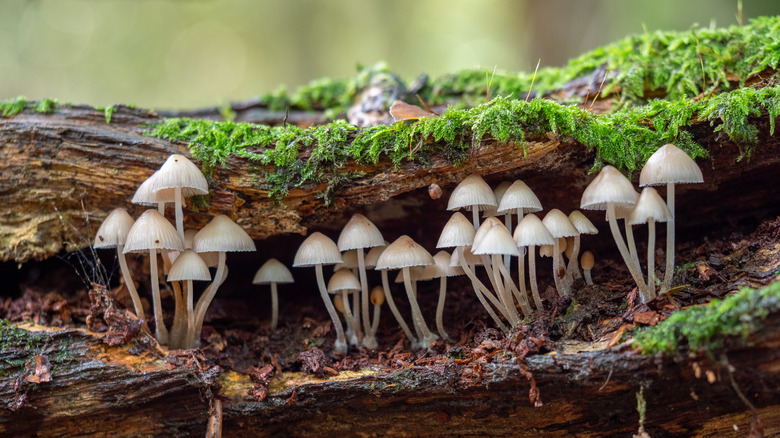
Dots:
pixel 109 113
pixel 12 107
pixel 707 327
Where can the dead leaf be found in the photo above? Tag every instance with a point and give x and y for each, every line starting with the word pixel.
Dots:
pixel 647 318
pixel 42 370
pixel 403 111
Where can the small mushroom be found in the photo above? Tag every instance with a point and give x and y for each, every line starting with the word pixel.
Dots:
pixel 273 272
pixel 474 194
pixel 188 266
pixel 377 299
pixel 559 226
pixel 583 226
pixel 587 261
pixel 650 209
pixel 184 177
pixel 440 269
pixel 345 282
pixel 531 232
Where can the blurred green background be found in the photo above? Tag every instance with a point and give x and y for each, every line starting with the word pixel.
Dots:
pixel 186 54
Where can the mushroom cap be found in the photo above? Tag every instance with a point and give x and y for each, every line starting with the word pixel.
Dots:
pixel 377 295
pixel 582 223
pixel 532 232
pixel 492 237
pixel 472 192
pixel 178 171
pixel 152 231
pixel 650 206
pixel 559 224
pixel 350 260
pixel 373 255
pixel 458 231
pixel 145 194
pixel 545 250
pixel 669 164
pixel 189 266
pixel 359 232
pixel 403 253
pixel 610 186
pixel 414 274
pixel 343 280
pixel 498 192
pixel 471 259
pixel 223 235
pixel 587 260
pixel 113 231
pixel 519 195
pixel 273 271
pixel 338 302
pixel 317 249
pixel 189 234
pixel 440 267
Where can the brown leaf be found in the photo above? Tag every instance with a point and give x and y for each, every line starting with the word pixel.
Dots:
pixel 403 111
pixel 42 370
pixel 647 318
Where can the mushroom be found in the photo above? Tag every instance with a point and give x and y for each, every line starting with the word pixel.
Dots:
pixel 559 226
pixel 112 234
pixel 650 209
pixel 152 232
pixel 519 199
pixel 403 254
pixel 184 177
pixel 608 190
pixel 345 282
pixel 474 194
pixel 371 259
pixel 377 298
pixel 587 261
pixel 317 250
pixel 145 194
pixel 188 266
pixel 273 272
pixel 221 235
pixel 669 165
pixel 440 269
pixel 531 232
pixel 351 262
pixel 583 226
pixel 360 233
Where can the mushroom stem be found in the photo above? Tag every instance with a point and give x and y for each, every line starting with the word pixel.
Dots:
pixel 274 306
pixel 137 305
pixel 340 346
pixel 375 321
pixel 489 294
pixel 427 337
pixel 369 341
pixel 632 268
pixel 178 335
pixel 631 243
pixel 350 319
pixel 503 294
pixel 179 214
pixel 573 268
pixel 190 315
pixel 521 260
pixel 440 309
pixel 205 300
pixel 475 216
pixel 160 331
pixel 522 298
pixel 394 309
pixel 651 257
pixel 507 257
pixel 588 278
pixel 478 287
pixel 559 285
pixel 532 280
pixel 669 272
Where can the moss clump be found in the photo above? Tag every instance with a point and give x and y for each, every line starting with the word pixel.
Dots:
pixel 18 348
pixel 108 112
pixel 12 107
pixel 707 327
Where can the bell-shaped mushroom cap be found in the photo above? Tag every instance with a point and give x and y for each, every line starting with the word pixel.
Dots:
pixel 471 259
pixel 338 302
pixel 650 205
pixel 114 229
pixel 359 233
pixel 440 268
pixel 317 249
pixel 532 232
pixel 377 295
pixel 189 235
pixel 414 274
pixel 350 260
pixel 152 231
pixel 545 250
pixel 582 223
pixel 669 164
pixel 493 238
pixel 458 231
pixel 559 224
pixel 146 194
pixel 178 171
pixel 472 192
pixel 498 192
pixel 402 253
pixel 189 266
pixel 343 280
pixel 373 255
pixel 587 261
pixel 610 186
pixel 519 195
pixel 222 235
pixel 273 271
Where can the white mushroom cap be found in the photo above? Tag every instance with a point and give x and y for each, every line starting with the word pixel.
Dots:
pixel 373 255
pixel 343 280
pixel 493 238
pixel 458 231
pixel 152 231
pixel 317 249
pixel 403 253
pixel 359 233
pixel 471 259
pixel 440 267
pixel 587 261
pixel 189 266
pixel 582 223
pixel 650 205
pixel 532 232
pixel 498 192
pixel 223 235
pixel 519 195
pixel 273 271
pixel 350 260
pixel 114 229
pixel 669 164
pixel 559 224
pixel 145 194
pixel 472 192
pixel 610 186
pixel 178 171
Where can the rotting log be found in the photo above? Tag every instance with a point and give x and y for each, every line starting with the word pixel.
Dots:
pixel 58 171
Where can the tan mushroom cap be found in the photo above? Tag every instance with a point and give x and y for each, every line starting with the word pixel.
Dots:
pixel 146 194
pixel 359 233
pixel 403 253
pixel 152 231
pixel 587 260
pixel 532 232
pixel 610 186
pixel 273 271
pixel 178 171
pixel 377 295
pixel 559 224
pixel 338 302
pixel 669 164
pixel 113 231
pixel 472 192
pixel 650 205
pixel 317 249
pixel 458 231
pixel 498 192
pixel 440 267
pixel 222 235
pixel 582 223
pixel 493 238
pixel 373 255
pixel 343 280
pixel 350 260
pixel 189 266
pixel 471 259
pixel 414 274
pixel 519 195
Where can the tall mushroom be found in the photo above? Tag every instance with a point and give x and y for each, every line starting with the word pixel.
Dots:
pixel 371 259
pixel 273 272
pixel 440 269
pixel 317 250
pixel 531 232
pixel 188 266
pixel 358 234
pixel 650 209
pixel 181 175
pixel 519 199
pixel 669 165
pixel 559 226
pixel 474 194
pixel 583 226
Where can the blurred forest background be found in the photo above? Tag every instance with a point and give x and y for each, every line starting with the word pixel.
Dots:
pixel 186 54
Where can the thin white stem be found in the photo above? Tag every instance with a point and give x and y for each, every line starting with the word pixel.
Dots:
pixel 350 319
pixel 503 294
pixel 588 278
pixel 562 291
pixel 394 309
pixel 631 243
pixel 651 257
pixel 427 337
pixel 475 216
pixel 573 268
pixel 375 322
pixel 160 331
pixel 521 260
pixel 274 306
pixel 190 314
pixel 532 274
pixel 205 300
pixel 522 298
pixel 507 257
pixel 494 299
pixel 440 309
pixel 634 269
pixel 478 289
pixel 669 272
pixel 137 305
pixel 178 335
pixel 178 199
pixel 340 346
pixel 368 340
